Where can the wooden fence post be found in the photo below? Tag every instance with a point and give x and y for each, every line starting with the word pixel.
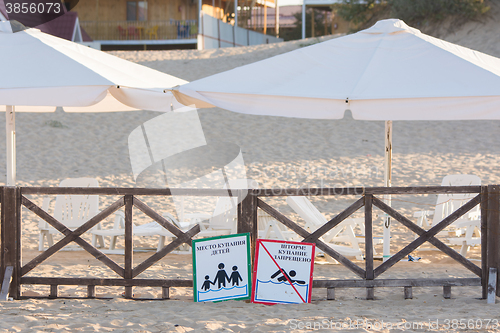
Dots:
pixel 484 241
pixel 129 252
pixel 247 218
pixel 369 244
pixel 493 230
pixel 11 236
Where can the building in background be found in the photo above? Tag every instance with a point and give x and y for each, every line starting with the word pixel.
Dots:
pixel 151 24
pixel 161 24
pixel 164 24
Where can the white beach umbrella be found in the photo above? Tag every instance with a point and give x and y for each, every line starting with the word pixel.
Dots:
pixel 387 72
pixel 42 70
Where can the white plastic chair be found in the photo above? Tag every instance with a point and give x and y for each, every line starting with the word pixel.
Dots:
pixel 471 235
pixel 466 226
pixel 117 230
pixel 71 210
pixel 342 233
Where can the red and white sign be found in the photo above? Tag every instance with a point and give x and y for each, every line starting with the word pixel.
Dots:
pixel 283 272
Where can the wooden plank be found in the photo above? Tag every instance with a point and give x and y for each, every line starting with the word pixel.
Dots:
pixel 366 190
pixel 53 291
pixel 423 190
pixel 330 294
pixel 107 282
pixel 493 226
pixel 408 292
pixel 158 218
pixel 369 240
pixel 165 293
pixel 492 285
pixel 72 236
pixel 455 282
pixel 447 292
pixel 281 192
pixel 91 291
pixel 258 192
pixel 303 233
pixel 185 238
pixel 370 293
pixel 123 191
pixel 335 221
pixel 11 237
pixel 7 278
pixel 484 240
pixel 129 245
pixel 427 236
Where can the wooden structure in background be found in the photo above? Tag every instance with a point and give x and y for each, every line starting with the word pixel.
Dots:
pixel 116 10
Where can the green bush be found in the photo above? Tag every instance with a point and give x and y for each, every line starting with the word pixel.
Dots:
pixel 417 10
pixel 410 11
pixel 356 11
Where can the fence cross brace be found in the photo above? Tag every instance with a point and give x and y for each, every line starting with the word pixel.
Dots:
pixel 71 236
pixel 304 233
pixel 427 236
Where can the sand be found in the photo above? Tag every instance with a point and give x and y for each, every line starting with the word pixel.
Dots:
pixel 277 152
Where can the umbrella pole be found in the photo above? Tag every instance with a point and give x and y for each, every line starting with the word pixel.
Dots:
pixel 387 183
pixel 10 124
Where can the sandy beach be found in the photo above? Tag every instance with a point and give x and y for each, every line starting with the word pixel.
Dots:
pixel 278 152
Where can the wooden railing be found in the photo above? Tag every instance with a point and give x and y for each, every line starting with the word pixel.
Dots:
pixel 488 197
pixel 141 30
pixel 368 200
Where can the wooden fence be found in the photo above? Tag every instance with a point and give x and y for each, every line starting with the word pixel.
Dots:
pixel 13 271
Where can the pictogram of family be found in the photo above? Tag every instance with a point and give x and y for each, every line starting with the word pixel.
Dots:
pixel 221 277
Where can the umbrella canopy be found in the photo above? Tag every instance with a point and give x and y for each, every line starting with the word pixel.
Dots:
pixel 387 72
pixel 42 70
